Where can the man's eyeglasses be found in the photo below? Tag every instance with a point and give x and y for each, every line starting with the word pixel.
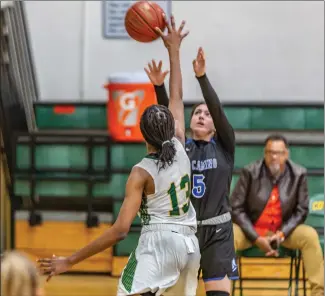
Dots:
pixel 275 153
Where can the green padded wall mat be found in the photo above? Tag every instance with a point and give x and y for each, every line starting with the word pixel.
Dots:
pixel 314 118
pixel 126 156
pixel 90 116
pixel 114 188
pixel 311 157
pixel 315 185
pixel 51 188
pixel 315 217
pixel 116 209
pixel 128 245
pixel 278 118
pixel 83 117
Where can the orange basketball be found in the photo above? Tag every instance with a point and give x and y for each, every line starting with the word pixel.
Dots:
pixel 142 18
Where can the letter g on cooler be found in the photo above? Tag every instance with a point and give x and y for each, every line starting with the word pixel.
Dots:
pixel 128 96
pixel 129 103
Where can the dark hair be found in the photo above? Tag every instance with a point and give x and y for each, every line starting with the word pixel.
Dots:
pixel 195 106
pixel 158 128
pixel 276 137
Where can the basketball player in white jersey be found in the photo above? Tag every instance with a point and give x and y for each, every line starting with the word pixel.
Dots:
pixel 167 257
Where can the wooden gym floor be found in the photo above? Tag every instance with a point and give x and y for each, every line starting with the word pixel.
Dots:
pixel 98 285
pixel 37 242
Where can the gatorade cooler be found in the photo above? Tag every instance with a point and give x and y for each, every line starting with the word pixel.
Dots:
pixel 129 95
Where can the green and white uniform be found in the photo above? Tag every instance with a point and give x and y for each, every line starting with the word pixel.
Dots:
pixel 167 257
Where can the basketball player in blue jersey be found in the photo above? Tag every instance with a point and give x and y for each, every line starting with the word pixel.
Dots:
pixel 167 257
pixel 211 150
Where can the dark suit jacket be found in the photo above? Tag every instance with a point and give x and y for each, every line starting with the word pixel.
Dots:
pixel 252 192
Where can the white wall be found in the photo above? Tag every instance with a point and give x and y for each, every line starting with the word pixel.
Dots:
pixel 256 50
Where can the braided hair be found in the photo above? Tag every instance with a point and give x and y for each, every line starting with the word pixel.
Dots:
pixel 158 128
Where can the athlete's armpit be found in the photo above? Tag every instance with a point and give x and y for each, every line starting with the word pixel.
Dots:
pixel 132 201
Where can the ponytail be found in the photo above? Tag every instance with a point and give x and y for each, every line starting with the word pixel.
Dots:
pixel 166 154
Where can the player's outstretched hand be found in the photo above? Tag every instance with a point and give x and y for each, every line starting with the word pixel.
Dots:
pixel 53 266
pixel 155 73
pixel 174 37
pixel 199 63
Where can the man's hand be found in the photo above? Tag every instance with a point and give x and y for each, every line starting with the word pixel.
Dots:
pixel 199 63
pixel 174 37
pixel 276 239
pixel 263 243
pixel 53 266
pixel 155 74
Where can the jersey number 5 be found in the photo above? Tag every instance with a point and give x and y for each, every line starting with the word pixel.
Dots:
pixel 185 184
pixel 198 189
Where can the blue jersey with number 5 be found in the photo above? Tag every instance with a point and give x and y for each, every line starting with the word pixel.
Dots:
pixel 211 169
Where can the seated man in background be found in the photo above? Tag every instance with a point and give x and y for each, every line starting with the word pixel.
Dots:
pixel 269 206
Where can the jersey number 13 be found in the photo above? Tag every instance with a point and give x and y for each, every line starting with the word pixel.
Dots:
pixel 184 185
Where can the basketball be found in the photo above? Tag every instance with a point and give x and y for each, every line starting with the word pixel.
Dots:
pixel 141 20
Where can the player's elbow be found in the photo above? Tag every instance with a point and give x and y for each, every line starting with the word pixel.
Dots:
pixel 122 235
pixel 122 232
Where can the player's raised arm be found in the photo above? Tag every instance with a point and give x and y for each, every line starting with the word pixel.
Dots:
pixel 223 128
pixel 131 205
pixel 157 78
pixel 173 41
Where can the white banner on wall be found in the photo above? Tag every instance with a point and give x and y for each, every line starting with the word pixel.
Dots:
pixel 114 13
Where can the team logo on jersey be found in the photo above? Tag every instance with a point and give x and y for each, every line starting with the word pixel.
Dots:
pixel 203 165
pixel 233 265
pixel 128 106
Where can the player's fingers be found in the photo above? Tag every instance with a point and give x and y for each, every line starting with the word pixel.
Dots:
pixel 181 27
pixel 147 71
pixel 169 28
pixel 159 32
pixel 172 21
pixel 47 270
pixel 50 276
pixel 155 68
pixel 150 67
pixel 198 53
pixel 44 260
pixel 42 271
pixel 185 34
pixel 202 53
pixel 45 264
pixel 159 66
pixel 165 74
pixel 201 58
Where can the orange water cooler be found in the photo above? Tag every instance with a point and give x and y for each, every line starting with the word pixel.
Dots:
pixel 129 94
